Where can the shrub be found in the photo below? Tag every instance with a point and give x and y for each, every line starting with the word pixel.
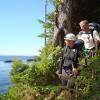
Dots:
pixel 21 92
pixel 19 71
pixel 44 72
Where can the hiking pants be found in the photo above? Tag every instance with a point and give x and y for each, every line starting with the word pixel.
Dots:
pixel 65 77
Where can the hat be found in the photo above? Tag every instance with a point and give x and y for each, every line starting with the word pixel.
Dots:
pixel 70 36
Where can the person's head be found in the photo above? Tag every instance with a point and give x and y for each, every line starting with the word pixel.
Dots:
pixel 70 39
pixel 84 25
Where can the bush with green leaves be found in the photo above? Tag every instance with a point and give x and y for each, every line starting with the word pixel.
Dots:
pixel 21 92
pixel 25 92
pixel 88 81
pixel 41 73
pixel 3 97
pixel 44 72
pixel 19 71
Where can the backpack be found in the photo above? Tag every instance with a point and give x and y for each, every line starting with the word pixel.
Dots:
pixel 94 26
pixel 79 44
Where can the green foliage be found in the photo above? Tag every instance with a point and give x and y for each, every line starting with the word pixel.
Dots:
pixel 41 73
pixel 25 92
pixel 44 72
pixel 38 77
pixel 21 92
pixel 48 25
pixel 56 2
pixel 19 71
pixel 88 81
pixel 3 97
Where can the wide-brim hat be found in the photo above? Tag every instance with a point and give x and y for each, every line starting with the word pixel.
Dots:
pixel 70 36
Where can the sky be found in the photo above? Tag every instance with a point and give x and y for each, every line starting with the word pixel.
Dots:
pixel 19 26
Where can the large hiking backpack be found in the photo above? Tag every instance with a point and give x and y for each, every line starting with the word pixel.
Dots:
pixel 94 26
pixel 79 44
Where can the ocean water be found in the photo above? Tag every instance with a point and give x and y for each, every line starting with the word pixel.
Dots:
pixel 5 71
pixel 4 76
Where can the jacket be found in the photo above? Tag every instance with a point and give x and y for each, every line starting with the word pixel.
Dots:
pixel 69 58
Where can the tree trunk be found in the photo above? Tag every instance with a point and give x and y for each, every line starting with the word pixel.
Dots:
pixel 65 12
pixel 62 22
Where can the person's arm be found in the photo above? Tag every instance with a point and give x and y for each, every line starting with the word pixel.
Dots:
pixel 75 65
pixel 75 60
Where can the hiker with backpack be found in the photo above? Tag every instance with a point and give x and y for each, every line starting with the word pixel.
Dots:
pixel 90 38
pixel 69 60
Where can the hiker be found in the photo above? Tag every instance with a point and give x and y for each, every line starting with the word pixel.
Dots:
pixel 90 38
pixel 69 60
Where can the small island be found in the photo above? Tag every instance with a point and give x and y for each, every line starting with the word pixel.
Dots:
pixel 8 61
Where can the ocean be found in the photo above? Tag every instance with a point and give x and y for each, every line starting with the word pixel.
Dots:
pixel 5 68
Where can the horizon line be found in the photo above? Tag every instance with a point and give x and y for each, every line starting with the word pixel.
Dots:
pixel 18 55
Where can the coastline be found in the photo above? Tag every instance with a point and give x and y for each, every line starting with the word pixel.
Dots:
pixel 5 67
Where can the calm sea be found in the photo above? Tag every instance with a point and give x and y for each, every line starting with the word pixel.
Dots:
pixel 5 70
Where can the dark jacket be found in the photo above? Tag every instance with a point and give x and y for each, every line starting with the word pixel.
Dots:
pixel 69 57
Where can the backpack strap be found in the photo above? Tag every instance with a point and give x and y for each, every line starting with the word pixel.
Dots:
pixel 92 35
pixel 75 60
pixel 91 32
pixel 80 33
